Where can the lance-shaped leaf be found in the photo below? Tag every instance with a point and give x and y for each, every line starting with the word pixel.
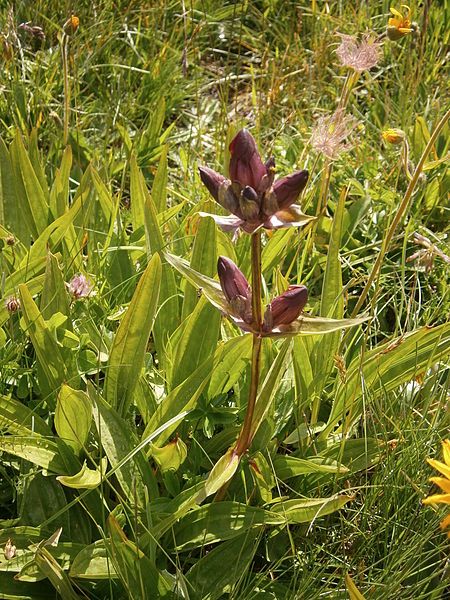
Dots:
pixel 220 474
pixel 137 572
pixel 210 288
pixel 44 342
pixel 305 510
pixel 315 326
pixel 93 562
pixel 130 342
pixel 221 521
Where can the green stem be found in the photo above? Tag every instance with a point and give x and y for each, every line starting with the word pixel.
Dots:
pixel 400 212
pixel 65 60
pixel 245 436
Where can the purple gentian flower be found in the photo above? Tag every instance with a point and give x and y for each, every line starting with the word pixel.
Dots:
pixel 251 194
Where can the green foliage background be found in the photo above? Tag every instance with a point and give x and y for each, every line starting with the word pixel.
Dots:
pixel 115 408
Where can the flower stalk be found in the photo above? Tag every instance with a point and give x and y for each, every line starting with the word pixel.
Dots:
pixel 244 439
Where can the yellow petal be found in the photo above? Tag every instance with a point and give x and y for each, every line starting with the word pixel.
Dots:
pixel 394 22
pixel 445 522
pixel 443 483
pixel 439 466
pixel 408 10
pixel 437 499
pixel 395 12
pixel 446 450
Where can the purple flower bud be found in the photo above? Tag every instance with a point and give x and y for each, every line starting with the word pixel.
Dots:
pixel 232 281
pixel 286 308
pixel 249 204
pixel 212 181
pixel 246 166
pixel 288 189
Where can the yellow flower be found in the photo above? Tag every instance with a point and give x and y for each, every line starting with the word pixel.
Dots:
pixel 442 482
pixel 71 25
pixel 400 25
pixel 393 136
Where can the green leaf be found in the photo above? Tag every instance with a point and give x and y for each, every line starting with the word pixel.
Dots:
pixel 93 562
pixel 331 302
pixel 194 341
pixel 86 478
pixel 276 247
pixel 210 288
pixel 127 354
pixel 208 577
pixel 305 510
pixel 73 416
pixel 118 441
pixel 59 194
pixel 315 326
pixel 220 521
pixel 54 297
pixel 16 418
pixel 52 570
pixel 232 365
pixel 159 187
pixel 50 454
pixel 269 386
pixel 43 498
pixel 291 466
pixel 185 396
pixel 140 577
pixel 29 192
pixel 11 590
pixel 11 213
pixel 220 474
pixel 204 260
pixel 45 345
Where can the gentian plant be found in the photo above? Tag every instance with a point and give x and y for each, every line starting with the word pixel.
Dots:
pixel 257 201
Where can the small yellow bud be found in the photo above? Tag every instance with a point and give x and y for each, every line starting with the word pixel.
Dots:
pixel 71 25
pixel 393 136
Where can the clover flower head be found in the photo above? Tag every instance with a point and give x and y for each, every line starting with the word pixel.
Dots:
pixel 251 195
pixel 360 56
pixel 442 482
pixel 12 304
pixel 80 286
pixel 330 133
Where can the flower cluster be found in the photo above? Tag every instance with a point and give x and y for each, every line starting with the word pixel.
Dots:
pixel 251 194
pixel 282 311
pixel 80 286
